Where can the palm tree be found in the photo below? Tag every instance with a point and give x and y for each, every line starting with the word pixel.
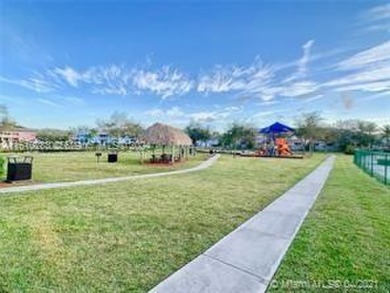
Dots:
pixel 386 133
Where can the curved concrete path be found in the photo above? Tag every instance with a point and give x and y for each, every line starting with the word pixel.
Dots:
pixel 246 260
pixel 202 166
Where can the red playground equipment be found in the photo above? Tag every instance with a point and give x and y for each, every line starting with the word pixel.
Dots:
pixel 282 147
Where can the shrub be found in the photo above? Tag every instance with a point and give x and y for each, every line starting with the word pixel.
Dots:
pixel 2 168
pixel 349 150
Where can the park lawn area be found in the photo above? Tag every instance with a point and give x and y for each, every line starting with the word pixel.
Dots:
pixel 129 236
pixel 344 240
pixel 72 166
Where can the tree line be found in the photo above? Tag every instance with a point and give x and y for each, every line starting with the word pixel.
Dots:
pixel 310 128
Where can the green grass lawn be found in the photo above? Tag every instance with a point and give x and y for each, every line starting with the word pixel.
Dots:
pixel 129 236
pixel 345 240
pixel 71 166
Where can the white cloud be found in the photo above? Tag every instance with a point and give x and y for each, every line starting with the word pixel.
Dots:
pixel 223 79
pixel 379 12
pixel 165 82
pixel 300 88
pixel 314 98
pixel 306 55
pixel 376 19
pixel 368 70
pixel 69 75
pixel 175 112
pixel 369 57
pixel 367 87
pixel 33 83
pixel 259 81
pixel 267 103
pixel 302 63
pixel 246 79
pixel 155 113
pixel 74 101
pixel 111 80
pixel 204 116
pixel 377 96
pixel 48 102
pixel 211 116
pixel 11 99
pixel 176 115
pixel 263 114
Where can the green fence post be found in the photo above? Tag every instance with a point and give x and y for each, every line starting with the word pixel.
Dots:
pixel 387 163
pixel 372 165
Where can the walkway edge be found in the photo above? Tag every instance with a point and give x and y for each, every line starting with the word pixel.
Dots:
pixel 246 260
pixel 204 165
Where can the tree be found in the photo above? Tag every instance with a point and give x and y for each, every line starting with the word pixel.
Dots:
pixel 132 129
pixel 197 132
pixel 366 133
pixel 119 125
pixel 386 134
pixel 84 133
pixel 6 122
pixel 52 135
pixel 239 136
pixel 309 128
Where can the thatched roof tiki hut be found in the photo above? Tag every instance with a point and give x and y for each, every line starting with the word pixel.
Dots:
pixel 167 136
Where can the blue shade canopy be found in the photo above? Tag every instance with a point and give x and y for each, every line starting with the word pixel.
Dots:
pixel 276 128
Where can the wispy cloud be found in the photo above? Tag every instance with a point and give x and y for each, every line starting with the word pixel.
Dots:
pixel 178 114
pixel 263 114
pixel 74 101
pixel 175 112
pixel 259 81
pixel 302 63
pixel 249 81
pixel 154 113
pixel 368 70
pixel 32 83
pixel 234 78
pixel 376 19
pixel 48 102
pixel 11 100
pixel 313 98
pixel 165 82
pixel 267 103
pixel 69 75
pixel 370 57
pixel 377 96
pixel 379 12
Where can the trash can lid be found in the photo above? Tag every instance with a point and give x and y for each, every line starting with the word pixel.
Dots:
pixel 19 159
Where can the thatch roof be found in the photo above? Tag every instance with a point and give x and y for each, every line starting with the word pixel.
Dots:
pixel 161 134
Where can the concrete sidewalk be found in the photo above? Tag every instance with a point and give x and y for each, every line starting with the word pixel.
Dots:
pixel 202 166
pixel 246 259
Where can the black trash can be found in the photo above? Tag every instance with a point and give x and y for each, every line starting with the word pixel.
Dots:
pixel 113 157
pixel 19 168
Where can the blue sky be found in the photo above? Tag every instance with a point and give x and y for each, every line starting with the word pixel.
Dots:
pixel 69 63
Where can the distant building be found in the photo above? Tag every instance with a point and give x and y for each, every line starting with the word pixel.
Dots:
pixel 9 137
pixel 103 138
pixel 208 143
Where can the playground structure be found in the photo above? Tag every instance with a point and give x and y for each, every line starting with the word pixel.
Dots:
pixel 276 146
pixel 282 147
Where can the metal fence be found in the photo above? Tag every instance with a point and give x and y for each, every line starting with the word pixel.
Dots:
pixel 376 164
